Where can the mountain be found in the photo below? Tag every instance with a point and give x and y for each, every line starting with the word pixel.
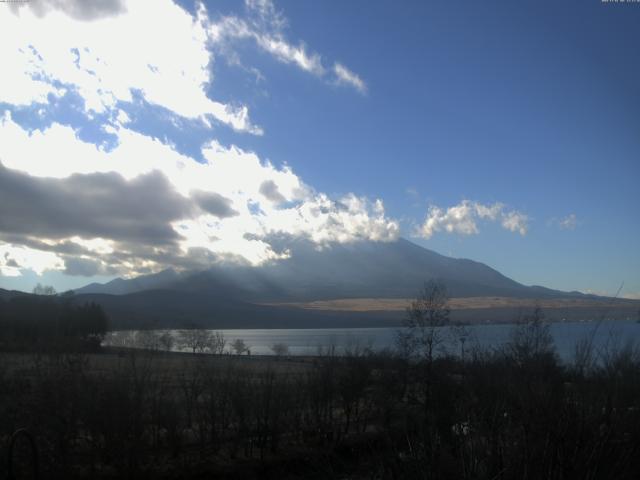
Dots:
pixel 311 288
pixel 120 286
pixel 357 284
pixel 7 295
pixel 362 269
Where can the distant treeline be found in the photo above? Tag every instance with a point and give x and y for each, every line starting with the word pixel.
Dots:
pixel 39 322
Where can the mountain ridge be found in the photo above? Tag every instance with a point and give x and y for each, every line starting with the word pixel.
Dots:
pixel 363 269
pixel 279 294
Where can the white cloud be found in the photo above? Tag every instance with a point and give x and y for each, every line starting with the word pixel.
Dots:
pixel 462 219
pixel 458 219
pixel 288 53
pixel 347 77
pixel 515 222
pixel 267 13
pixel 229 172
pixel 265 25
pixel 489 212
pixel 153 47
pixel 78 9
pixel 570 222
pixel 14 258
pixel 122 117
pixel 269 39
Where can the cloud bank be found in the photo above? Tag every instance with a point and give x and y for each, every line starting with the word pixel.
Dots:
pixel 143 206
pixel 152 48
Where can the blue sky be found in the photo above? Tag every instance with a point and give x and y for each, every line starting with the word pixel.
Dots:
pixel 502 132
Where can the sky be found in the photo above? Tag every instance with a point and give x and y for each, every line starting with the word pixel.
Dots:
pixel 151 134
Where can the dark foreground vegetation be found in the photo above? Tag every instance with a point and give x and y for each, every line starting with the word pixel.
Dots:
pixel 413 413
pixel 514 413
pixel 48 322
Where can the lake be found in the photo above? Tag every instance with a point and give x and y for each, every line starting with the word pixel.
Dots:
pixel 605 334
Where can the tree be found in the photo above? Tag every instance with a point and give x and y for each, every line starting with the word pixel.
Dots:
pixel 217 342
pixel 200 341
pixel 531 338
pixel 239 346
pixel 460 333
pixel 195 339
pixel 166 340
pixel 96 322
pixel 422 336
pixel 280 349
pixel 425 317
pixel 40 289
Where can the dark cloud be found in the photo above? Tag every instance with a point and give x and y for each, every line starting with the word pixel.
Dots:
pixel 77 9
pixel 96 205
pixel 10 262
pixel 134 214
pixel 82 267
pixel 214 203
pixel 63 247
pixel 269 189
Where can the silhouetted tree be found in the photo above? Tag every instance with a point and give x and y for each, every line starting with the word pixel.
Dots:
pixel 196 339
pixel 280 349
pixel 239 346
pixel 44 290
pixel 166 341
pixel 531 338
pixel 425 317
pixel 47 322
pixel 216 343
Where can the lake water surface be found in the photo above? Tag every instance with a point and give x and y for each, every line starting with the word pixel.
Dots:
pixel 605 335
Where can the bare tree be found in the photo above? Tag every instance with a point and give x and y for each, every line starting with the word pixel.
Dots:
pixel 425 317
pixel 217 342
pixel 280 349
pixel 166 340
pixel 197 340
pixel 44 290
pixel 239 346
pixel 532 337
pixel 460 333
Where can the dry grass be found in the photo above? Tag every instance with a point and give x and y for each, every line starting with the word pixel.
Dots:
pixel 461 303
